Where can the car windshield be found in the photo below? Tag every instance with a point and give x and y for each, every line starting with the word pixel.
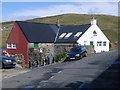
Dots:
pixel 75 50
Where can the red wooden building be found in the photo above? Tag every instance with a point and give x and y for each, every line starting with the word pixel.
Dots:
pixel 17 43
pixel 24 33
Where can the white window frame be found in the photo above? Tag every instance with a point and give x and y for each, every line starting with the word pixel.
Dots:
pixel 11 46
pixel 68 35
pixel 62 35
pixel 99 43
pixel 77 34
pixel 104 43
pixel 14 46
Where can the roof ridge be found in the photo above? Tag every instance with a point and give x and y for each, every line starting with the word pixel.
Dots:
pixel 35 22
pixel 49 23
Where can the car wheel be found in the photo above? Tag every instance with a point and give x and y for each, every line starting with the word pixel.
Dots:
pixel 85 54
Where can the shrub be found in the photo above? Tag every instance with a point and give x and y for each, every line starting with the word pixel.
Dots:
pixel 110 45
pixel 60 56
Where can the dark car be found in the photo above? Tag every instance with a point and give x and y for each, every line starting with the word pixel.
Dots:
pixel 77 52
pixel 7 62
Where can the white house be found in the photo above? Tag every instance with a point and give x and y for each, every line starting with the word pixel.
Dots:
pixel 87 34
pixel 94 36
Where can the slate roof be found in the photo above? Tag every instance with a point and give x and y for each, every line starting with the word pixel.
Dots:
pixel 38 32
pixel 74 29
pixel 46 33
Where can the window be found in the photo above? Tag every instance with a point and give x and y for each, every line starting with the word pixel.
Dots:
pixel 62 35
pixel 104 43
pixel 14 46
pixel 11 46
pixel 94 33
pixel 35 45
pixel 68 35
pixel 99 43
pixel 77 34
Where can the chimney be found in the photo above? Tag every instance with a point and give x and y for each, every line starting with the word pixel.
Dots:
pixel 93 21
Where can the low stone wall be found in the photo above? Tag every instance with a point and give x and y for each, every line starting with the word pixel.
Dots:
pixel 59 48
pixel 90 49
pixel 50 50
pixel 41 54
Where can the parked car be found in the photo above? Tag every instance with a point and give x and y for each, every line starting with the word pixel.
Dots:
pixel 77 52
pixel 7 62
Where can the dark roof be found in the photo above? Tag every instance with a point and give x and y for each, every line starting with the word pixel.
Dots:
pixel 74 29
pixel 46 33
pixel 38 32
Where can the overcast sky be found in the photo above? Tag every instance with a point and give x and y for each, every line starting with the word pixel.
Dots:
pixel 28 10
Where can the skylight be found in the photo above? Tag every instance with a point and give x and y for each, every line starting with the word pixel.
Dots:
pixel 77 34
pixel 68 35
pixel 62 35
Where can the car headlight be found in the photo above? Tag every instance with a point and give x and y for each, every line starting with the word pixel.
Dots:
pixel 8 60
pixel 77 55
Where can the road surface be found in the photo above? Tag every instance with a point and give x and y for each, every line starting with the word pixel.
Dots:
pixel 72 74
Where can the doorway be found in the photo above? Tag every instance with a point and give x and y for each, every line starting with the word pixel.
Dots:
pixel 91 43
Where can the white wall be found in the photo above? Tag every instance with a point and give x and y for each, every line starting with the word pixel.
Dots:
pixel 88 36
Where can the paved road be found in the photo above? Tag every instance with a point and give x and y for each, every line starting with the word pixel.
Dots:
pixel 71 74
pixel 10 72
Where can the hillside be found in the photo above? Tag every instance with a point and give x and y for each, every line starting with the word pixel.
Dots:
pixel 108 24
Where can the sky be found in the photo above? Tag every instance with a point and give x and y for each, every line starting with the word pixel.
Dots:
pixel 12 11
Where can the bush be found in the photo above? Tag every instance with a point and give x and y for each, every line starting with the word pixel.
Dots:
pixel 110 45
pixel 60 56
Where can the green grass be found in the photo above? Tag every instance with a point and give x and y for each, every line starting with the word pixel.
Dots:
pixel 104 21
pixel 112 35
pixel 5 35
pixel 109 24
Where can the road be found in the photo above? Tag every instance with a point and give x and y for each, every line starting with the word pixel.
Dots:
pixel 72 74
pixel 10 72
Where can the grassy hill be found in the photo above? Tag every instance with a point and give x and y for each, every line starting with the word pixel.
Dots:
pixel 108 24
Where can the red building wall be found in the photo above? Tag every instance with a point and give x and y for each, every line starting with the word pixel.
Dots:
pixel 16 36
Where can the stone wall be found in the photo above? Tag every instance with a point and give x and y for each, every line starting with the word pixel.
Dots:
pixel 59 48
pixel 51 50
pixel 90 49
pixel 41 53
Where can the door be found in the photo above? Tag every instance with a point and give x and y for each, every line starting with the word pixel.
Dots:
pixel 91 43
